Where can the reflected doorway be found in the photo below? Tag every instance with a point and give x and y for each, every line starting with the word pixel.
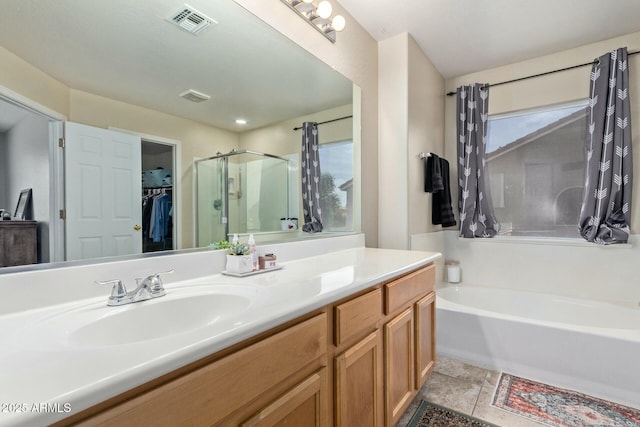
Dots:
pixel 30 158
pixel 158 197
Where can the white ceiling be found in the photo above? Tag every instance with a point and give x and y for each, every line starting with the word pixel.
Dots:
pixel 465 36
pixel 127 50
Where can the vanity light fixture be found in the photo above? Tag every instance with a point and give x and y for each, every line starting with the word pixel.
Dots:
pixel 319 16
pixel 241 122
pixel 324 9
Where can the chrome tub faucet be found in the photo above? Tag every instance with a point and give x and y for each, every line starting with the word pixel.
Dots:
pixel 147 288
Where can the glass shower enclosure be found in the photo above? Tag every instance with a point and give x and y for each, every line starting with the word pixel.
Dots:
pixel 240 192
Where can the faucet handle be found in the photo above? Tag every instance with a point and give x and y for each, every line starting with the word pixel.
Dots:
pixel 165 272
pixel 157 289
pixel 118 292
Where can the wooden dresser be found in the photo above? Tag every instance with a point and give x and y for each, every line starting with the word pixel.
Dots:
pixel 18 243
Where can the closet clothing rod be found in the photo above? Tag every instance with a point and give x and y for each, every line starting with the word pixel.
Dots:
pixel 328 121
pixel 545 73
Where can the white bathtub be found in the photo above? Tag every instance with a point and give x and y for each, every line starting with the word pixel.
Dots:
pixel 589 346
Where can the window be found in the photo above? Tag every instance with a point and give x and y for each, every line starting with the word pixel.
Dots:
pixel 336 198
pixel 536 170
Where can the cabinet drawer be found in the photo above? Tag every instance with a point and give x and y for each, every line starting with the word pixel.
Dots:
pixel 357 316
pixel 207 395
pixel 404 290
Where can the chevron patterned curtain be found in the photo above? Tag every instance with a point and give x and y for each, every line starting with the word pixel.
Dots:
pixel 311 178
pixel 606 201
pixel 477 218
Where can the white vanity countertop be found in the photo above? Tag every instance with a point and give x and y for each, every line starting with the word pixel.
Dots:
pixel 44 375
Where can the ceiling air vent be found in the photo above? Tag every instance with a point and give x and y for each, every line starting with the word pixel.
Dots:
pixel 191 20
pixel 194 96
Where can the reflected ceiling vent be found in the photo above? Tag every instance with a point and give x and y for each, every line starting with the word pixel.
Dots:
pixel 191 20
pixel 194 96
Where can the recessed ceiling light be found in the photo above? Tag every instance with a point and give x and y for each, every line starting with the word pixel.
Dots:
pixel 241 122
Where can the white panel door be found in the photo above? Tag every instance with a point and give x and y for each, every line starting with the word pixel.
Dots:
pixel 102 192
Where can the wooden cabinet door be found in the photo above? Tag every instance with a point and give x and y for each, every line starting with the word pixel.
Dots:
pixel 400 366
pixel 425 313
pixel 303 405
pixel 358 378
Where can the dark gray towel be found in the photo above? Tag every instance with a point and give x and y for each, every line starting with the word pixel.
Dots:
pixel 437 182
pixel 432 174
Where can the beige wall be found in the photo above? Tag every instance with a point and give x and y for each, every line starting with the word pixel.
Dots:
pixel 26 80
pixel 393 92
pixel 556 88
pixel 280 139
pixel 411 118
pixel 355 55
pixel 425 133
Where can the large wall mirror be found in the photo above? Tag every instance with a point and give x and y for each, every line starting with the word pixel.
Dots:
pixel 120 67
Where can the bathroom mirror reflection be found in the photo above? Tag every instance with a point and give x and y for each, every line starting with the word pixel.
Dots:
pixel 121 67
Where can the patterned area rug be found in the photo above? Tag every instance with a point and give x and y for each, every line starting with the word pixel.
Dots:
pixel 559 407
pixel 431 415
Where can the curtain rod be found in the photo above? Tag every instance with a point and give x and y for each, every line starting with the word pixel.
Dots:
pixel 328 121
pixel 545 73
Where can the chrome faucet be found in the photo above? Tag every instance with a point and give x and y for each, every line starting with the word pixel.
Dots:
pixel 147 288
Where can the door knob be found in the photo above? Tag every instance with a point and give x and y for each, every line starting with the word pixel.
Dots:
pixel 137 227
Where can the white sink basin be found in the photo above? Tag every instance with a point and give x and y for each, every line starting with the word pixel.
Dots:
pixel 183 310
pixel 159 318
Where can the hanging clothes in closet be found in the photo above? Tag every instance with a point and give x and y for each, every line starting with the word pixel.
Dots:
pixel 157 219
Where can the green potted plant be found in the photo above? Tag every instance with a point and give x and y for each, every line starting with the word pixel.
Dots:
pixel 221 244
pixel 239 259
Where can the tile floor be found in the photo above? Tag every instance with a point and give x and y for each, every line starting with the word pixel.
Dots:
pixel 467 389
